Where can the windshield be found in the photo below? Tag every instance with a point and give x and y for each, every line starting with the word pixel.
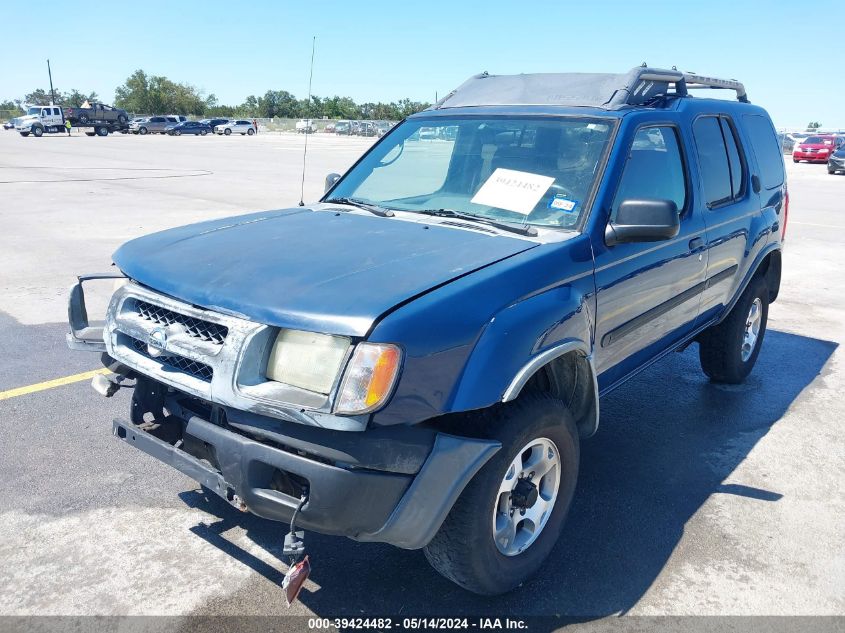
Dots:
pixel 525 170
pixel 819 140
pixel 35 111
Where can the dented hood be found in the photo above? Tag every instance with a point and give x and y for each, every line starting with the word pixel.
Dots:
pixel 316 270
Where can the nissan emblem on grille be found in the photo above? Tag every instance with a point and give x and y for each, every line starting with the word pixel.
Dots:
pixel 157 342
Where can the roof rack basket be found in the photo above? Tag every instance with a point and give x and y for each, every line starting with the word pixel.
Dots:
pixel 645 84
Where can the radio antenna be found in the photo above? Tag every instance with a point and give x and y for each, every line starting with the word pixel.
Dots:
pixel 307 127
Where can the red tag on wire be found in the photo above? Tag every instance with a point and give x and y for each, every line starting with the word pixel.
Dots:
pixel 295 578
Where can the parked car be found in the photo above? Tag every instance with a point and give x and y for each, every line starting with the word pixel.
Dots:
pixel 366 128
pixel 814 149
pixel 197 128
pixel 212 123
pixel 96 112
pixel 343 128
pixel 329 129
pixel 836 162
pixel 150 125
pixel 10 124
pixel 382 128
pixel 305 126
pixel 415 360
pixel 241 126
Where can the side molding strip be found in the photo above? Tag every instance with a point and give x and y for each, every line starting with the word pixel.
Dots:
pixel 661 309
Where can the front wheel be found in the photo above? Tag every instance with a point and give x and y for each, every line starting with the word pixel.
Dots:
pixel 508 518
pixel 178 132
pixel 83 119
pixel 142 130
pixel 24 133
pixel 227 131
pixel 729 350
pixel 37 131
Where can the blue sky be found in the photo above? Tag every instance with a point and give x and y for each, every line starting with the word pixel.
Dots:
pixel 383 51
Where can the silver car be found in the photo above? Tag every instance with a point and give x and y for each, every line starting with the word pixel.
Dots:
pixel 150 125
pixel 237 127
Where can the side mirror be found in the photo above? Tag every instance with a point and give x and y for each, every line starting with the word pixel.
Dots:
pixel 643 221
pixel 331 179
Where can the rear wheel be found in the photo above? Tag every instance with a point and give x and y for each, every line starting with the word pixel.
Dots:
pixel 508 518
pixel 83 119
pixel 121 118
pixel 24 133
pixel 203 132
pixel 250 131
pixel 729 350
pixel 142 130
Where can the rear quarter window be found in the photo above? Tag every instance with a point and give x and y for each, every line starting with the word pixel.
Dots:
pixel 765 146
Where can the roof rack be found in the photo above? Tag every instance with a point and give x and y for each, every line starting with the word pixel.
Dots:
pixel 639 86
pixel 644 84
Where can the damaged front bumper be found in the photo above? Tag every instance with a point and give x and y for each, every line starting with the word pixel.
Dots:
pixel 368 486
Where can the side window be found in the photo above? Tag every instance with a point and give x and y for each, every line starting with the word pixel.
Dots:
pixel 655 169
pixel 712 160
pixel 735 158
pixel 766 149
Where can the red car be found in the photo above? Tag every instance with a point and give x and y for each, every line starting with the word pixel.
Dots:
pixel 815 149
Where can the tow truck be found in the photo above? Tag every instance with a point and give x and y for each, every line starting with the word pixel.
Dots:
pixel 50 119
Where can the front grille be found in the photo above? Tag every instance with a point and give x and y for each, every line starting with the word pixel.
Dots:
pixel 197 328
pixel 186 365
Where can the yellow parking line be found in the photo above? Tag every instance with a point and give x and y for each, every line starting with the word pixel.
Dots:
pixel 49 384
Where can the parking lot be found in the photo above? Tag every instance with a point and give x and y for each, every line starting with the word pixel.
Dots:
pixel 693 499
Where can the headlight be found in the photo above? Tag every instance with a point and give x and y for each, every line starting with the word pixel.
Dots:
pixel 369 379
pixel 307 360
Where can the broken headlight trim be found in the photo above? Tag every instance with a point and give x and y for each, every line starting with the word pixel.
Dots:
pixel 369 379
pixel 307 360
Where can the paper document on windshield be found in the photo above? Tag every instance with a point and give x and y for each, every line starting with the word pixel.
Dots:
pixel 512 190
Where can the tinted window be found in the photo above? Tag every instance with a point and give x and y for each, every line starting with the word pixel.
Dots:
pixel 655 170
pixel 735 160
pixel 766 149
pixel 156 119
pixel 819 140
pixel 712 160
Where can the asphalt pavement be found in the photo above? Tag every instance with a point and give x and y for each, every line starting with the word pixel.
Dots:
pixel 693 498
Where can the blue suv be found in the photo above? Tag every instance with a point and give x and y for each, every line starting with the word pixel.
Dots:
pixel 415 358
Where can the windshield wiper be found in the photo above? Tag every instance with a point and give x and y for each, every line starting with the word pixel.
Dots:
pixel 530 231
pixel 367 206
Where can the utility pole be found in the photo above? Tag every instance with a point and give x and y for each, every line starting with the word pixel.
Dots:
pixel 52 92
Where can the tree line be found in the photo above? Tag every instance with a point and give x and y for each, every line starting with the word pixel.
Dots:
pixel 142 93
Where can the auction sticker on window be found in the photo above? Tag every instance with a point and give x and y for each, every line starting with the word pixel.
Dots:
pixel 512 190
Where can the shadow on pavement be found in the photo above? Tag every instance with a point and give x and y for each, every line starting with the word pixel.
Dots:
pixel 668 440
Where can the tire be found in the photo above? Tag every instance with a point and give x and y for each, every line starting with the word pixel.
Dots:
pixel 250 132
pixel 832 172
pixel 121 118
pixel 464 549
pixel 227 131
pixel 24 133
pixel 102 130
pixel 38 131
pixel 83 119
pixel 203 132
pixel 722 349
pixel 142 130
pixel 795 160
pixel 177 132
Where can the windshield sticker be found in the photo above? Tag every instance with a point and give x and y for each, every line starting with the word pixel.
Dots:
pixel 560 202
pixel 517 191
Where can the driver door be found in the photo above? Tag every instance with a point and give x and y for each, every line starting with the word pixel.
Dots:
pixel 648 293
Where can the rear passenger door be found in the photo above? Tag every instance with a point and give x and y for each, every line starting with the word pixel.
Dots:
pixel 647 293
pixel 731 209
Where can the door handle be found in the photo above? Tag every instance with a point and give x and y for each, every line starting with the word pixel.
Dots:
pixel 696 243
